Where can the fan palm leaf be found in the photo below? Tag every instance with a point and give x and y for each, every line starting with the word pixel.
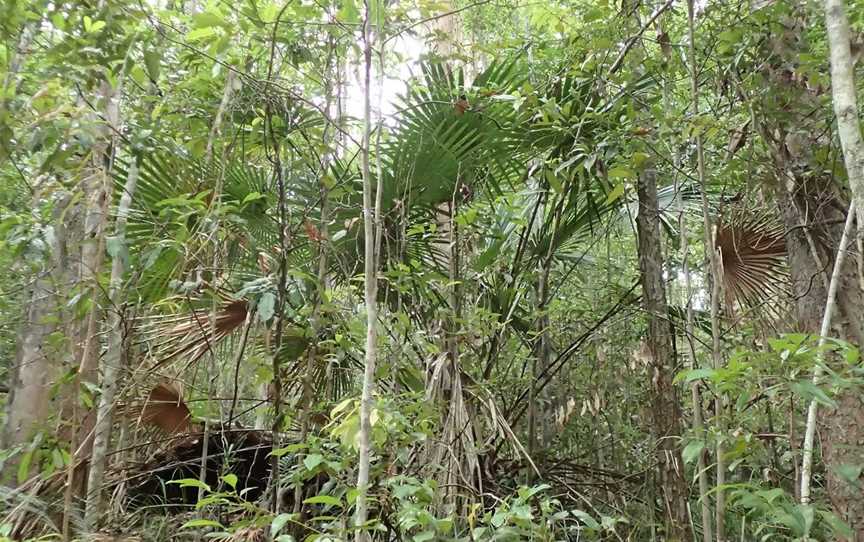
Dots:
pixel 752 252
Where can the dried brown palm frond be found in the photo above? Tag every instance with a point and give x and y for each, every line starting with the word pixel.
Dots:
pixel 163 408
pixel 752 251
pixel 190 335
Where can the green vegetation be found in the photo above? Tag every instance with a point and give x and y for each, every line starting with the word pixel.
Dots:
pixel 431 270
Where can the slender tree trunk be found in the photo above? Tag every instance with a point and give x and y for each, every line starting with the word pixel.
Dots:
pixel 843 93
pixel 698 421
pixel 810 431
pixel 113 358
pixel 665 410
pixel 714 265
pixel 274 154
pixel 370 217
pixel 318 295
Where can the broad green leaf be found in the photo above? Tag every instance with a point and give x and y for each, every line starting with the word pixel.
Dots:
pixel 554 181
pixel 115 246
pixel 201 33
pixel 692 450
pixel 279 522
pixel 586 518
pixel 840 528
pixel 312 460
pixel 810 391
pixel 153 62
pixel 206 19
pixel 850 473
pixel 621 173
pixel 266 307
pixel 615 193
pixel 640 160
pixel 694 374
pixel 341 406
pixel 231 480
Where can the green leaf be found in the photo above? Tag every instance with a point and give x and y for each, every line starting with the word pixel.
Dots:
pixel 554 182
pixel 341 406
pixel 116 246
pixel 312 460
pixel 376 12
pixel 91 26
pixel 621 173
pixel 290 449
pixel 202 523
pixel 349 13
pixel 850 473
pixel 266 307
pixel 810 391
pixel 201 33
pixel 615 193
pixel 840 528
pixel 694 374
pixel 207 18
pixel 692 450
pixel 191 482
pixel 324 499
pixel 586 518
pixel 279 522
pixel 252 196
pixel 24 466
pixel 152 61
pixel 231 480
pixel 808 513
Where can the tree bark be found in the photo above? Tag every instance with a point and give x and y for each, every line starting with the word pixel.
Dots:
pixel 843 93
pixel 824 331
pixel 845 425
pixel 113 357
pixel 370 216
pixel 714 267
pixel 665 409
pixel 30 402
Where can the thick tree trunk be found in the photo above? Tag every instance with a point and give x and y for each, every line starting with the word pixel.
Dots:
pixel 812 213
pixel 845 425
pixel 31 403
pixel 665 409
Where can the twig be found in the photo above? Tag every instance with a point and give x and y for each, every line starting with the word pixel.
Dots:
pixel 632 41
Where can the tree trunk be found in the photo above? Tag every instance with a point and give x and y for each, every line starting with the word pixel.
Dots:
pixel 665 409
pixel 845 425
pixel 370 217
pixel 843 93
pixel 31 403
pixel 113 357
